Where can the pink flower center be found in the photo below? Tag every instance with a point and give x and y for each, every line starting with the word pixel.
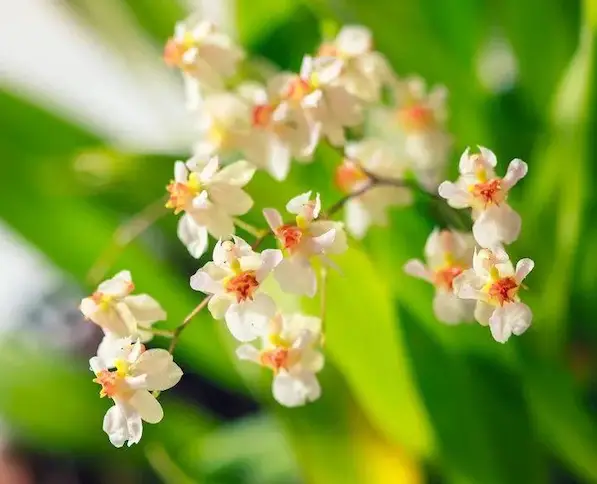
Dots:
pixel 109 380
pixel 416 118
pixel 276 359
pixel 444 278
pixel 488 192
pixel 348 175
pixel 503 290
pixel 243 285
pixel 290 236
pixel 262 115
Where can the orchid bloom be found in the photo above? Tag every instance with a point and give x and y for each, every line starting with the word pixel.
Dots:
pixel 289 350
pixel 364 72
pixel 494 284
pixel 233 280
pixel 303 240
pixel 314 90
pixel 206 56
pixel 116 311
pixel 479 188
pixel 448 254
pixel 369 208
pixel 278 132
pixel 210 198
pixel 128 377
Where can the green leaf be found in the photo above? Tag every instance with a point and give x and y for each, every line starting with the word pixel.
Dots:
pixel 366 345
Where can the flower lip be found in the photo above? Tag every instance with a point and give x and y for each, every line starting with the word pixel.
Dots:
pixel 243 285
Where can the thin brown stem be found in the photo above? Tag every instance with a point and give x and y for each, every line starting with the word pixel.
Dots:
pixel 124 235
pixel 178 331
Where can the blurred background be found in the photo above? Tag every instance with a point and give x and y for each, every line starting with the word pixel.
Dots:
pixel 90 123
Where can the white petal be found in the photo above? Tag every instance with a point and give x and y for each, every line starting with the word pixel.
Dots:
pixel 249 320
pixel 248 353
pixel 232 200
pixel 433 246
pixel 110 348
pixel 416 268
pixel 514 318
pixel 295 390
pixel 296 204
pixel 339 243
pixel 145 309
pixel 237 174
pixel 147 406
pixel 488 156
pixel 97 364
pixel 209 170
pixel 192 235
pixel 203 282
pixel 219 305
pixel 321 243
pixel 160 370
pixel 358 218
pixel 296 276
pixel 496 225
pixel 523 268
pixel 517 169
pixel 273 218
pixel 466 164
pixel 115 425
pixel 119 286
pixel 270 258
pixel 180 172
pixel 467 285
pixel 483 312
pixel 201 201
pixel 306 66
pixel 450 309
pixel 219 223
pixel 455 196
pixel 354 40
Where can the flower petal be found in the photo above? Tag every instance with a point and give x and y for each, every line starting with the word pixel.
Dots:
pixel 496 225
pixel 119 286
pixel 514 318
pixel 455 196
pixel 295 390
pixel 237 174
pixel 416 268
pixel 180 172
pixel 517 169
pixel 203 282
pixel 192 235
pixel 296 276
pixel 273 218
pixel 523 268
pixel 218 305
pixel 483 312
pixel 160 370
pixel 296 204
pixel 147 406
pixel 270 258
pixel 145 309
pixel 249 320
pixel 248 353
pixel 450 309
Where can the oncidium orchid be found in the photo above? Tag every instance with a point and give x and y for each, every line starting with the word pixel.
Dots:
pixel 117 311
pixel 289 349
pixel 128 378
pixel 495 284
pixel 448 255
pixel 234 280
pixel 302 241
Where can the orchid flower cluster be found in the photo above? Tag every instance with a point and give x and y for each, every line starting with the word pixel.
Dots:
pixel 391 136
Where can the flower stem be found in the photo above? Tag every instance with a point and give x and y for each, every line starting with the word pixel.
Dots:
pixel 251 229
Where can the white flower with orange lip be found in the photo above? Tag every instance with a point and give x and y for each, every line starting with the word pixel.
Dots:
pixel 364 72
pixel 331 107
pixel 289 349
pixel 206 56
pixel 494 284
pixel 116 311
pixel 303 240
pixel 210 198
pixel 448 254
pixel 415 127
pixel 127 377
pixel 369 208
pixel 224 123
pixel 278 133
pixel 479 188
pixel 234 280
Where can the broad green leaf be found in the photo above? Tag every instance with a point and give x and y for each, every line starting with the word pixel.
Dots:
pixel 366 345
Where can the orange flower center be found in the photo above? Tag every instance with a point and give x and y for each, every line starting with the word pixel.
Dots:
pixel 488 192
pixel 327 50
pixel 173 53
pixel 348 175
pixel 444 277
pixel 262 115
pixel 109 380
pixel 416 118
pixel 290 236
pixel 276 359
pixel 243 285
pixel 503 290
pixel 297 89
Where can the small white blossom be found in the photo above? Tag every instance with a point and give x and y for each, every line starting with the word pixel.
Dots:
pixel 206 56
pixel 364 72
pixel 116 311
pixel 448 254
pixel 369 208
pixel 224 123
pixel 478 187
pixel 302 241
pixel 494 284
pixel 329 104
pixel 289 349
pixel 210 198
pixel 234 279
pixel 278 132
pixel 416 127
pixel 128 376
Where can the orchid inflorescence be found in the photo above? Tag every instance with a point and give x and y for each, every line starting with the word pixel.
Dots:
pixel 402 147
